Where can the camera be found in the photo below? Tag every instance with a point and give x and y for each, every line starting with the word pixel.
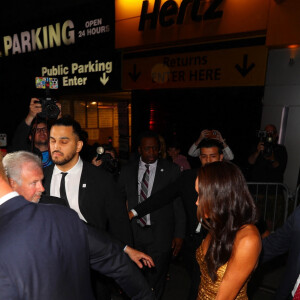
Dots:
pixel 49 108
pixel 108 162
pixel 267 139
pixel 212 134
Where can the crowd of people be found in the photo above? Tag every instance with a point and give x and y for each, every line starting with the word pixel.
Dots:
pixel 69 220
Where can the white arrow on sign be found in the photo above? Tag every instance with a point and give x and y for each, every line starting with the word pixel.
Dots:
pixel 104 79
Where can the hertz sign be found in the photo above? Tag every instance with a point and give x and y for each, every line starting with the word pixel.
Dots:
pixel 149 22
pixel 170 13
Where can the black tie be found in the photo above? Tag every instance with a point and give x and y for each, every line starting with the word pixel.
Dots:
pixel 62 188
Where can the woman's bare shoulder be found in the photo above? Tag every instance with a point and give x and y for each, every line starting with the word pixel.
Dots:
pixel 248 238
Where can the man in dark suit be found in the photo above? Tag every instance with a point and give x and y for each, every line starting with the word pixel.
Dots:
pixel 46 253
pixel 282 241
pixel 184 187
pixel 89 190
pixel 165 228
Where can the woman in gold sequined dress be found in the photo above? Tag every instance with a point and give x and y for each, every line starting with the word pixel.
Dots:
pixel 229 253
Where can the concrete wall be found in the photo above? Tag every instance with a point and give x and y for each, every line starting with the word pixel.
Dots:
pixel 282 89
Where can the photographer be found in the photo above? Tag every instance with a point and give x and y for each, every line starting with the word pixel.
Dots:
pixel 269 159
pixel 215 135
pixel 32 134
pixel 106 157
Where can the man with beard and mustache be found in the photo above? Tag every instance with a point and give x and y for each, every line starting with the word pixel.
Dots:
pixel 89 190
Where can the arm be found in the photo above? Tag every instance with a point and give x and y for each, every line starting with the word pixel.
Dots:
pixel 20 139
pixel 243 261
pixel 141 259
pixel 108 258
pixel 8 290
pixel 253 157
pixel 193 151
pixel 159 199
pixel 119 225
pixel 279 242
pixel 228 154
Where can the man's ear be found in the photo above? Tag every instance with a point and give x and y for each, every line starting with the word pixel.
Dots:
pixel 30 137
pixel 79 146
pixel 12 183
pixel 221 157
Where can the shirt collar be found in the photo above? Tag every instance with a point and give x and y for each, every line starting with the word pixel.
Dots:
pixel 151 166
pixel 73 170
pixel 8 197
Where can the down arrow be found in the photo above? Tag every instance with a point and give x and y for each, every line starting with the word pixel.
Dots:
pixel 134 76
pixel 245 70
pixel 104 79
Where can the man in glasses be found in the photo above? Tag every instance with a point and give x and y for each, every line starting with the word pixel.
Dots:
pixel 32 134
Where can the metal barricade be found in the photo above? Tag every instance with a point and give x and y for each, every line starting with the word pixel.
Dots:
pixel 297 197
pixel 272 201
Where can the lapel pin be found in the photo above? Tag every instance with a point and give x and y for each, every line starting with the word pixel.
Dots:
pixel 84 185
pixel 161 170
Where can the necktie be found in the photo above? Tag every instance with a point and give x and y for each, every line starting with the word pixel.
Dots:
pixel 143 194
pixel 62 188
pixel 297 294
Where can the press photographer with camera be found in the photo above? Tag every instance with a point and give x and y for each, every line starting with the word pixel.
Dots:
pixel 215 135
pixel 106 157
pixel 268 160
pixel 32 134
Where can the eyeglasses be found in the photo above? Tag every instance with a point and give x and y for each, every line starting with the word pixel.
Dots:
pixel 41 130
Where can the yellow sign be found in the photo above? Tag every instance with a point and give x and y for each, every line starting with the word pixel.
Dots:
pixel 149 22
pixel 228 67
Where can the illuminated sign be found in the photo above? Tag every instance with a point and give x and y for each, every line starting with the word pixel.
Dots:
pixel 170 13
pixel 78 74
pixel 85 26
pixel 150 22
pixel 227 67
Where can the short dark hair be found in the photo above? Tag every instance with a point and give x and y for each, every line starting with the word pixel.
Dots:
pixel 149 134
pixel 210 143
pixel 70 122
pixel 174 144
pixel 35 122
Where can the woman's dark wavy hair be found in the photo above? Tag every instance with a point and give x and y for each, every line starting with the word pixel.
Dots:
pixel 225 200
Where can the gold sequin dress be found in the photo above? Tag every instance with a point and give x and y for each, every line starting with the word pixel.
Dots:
pixel 208 290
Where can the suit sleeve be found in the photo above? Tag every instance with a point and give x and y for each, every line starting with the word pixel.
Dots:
pixel 119 224
pixel 159 199
pixel 7 290
pixel 108 258
pixel 20 138
pixel 279 242
pixel 179 212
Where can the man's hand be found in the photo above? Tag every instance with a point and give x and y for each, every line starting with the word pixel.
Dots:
pixel 260 147
pixel 60 113
pixel 96 162
pixel 204 134
pixel 130 215
pixel 176 245
pixel 34 109
pixel 140 258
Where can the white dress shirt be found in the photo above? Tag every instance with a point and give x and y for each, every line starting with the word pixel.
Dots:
pixel 296 286
pixel 72 181
pixel 8 197
pixel 152 170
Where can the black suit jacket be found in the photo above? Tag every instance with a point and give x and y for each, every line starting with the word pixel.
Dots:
pixel 183 187
pixel 100 201
pixel 45 253
pixel 167 222
pixel 286 239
